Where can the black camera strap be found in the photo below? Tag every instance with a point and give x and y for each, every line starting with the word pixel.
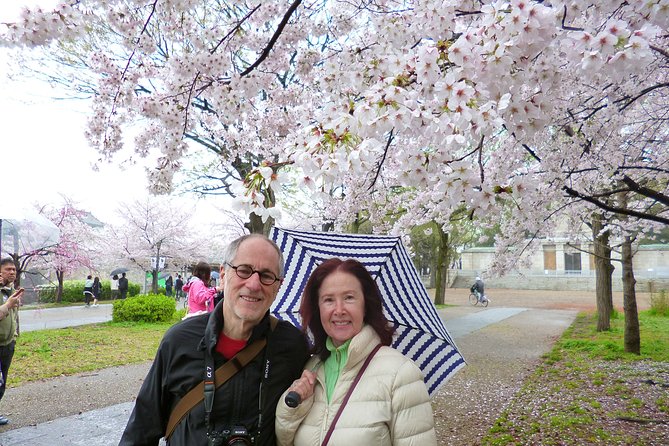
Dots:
pixel 212 381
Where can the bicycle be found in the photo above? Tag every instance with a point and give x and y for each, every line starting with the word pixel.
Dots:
pixel 474 300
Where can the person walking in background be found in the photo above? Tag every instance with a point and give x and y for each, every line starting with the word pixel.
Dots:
pixel 342 309
pixel 168 285
pixel 178 287
pixel 123 286
pixel 9 321
pixel 252 270
pixel 114 287
pixel 200 294
pixel 88 290
pixel 97 290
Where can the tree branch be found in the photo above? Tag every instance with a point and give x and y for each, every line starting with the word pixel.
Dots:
pixel 233 30
pixel 645 191
pixel 616 210
pixel 480 160
pixel 665 53
pixel 383 159
pixel 641 94
pixel 274 38
pixel 531 152
pixel 564 17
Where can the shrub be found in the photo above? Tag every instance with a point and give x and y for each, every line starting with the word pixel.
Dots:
pixel 180 313
pixel 659 303
pixel 144 308
pixel 73 291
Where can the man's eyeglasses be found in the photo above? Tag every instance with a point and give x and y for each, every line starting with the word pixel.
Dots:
pixel 246 271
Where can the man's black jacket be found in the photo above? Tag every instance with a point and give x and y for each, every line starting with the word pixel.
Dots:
pixel 179 366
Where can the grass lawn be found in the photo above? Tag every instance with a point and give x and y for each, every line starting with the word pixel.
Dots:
pixel 588 390
pixel 49 353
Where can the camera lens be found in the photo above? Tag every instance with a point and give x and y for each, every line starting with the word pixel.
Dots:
pixel 239 442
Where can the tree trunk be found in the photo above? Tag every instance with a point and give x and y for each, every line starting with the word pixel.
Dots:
pixel 59 289
pixel 441 267
pixel 327 226
pixel 632 335
pixel 156 269
pixel 603 271
pixel 19 268
pixel 354 227
pixel 433 277
pixel 255 224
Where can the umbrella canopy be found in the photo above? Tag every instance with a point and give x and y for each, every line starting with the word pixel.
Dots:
pixel 119 271
pixel 215 275
pixel 23 230
pixel 420 335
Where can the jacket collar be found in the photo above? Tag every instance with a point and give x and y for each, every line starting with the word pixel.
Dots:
pixel 215 325
pixel 7 290
pixel 362 345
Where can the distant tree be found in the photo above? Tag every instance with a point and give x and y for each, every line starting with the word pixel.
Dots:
pixel 76 247
pixel 28 238
pixel 151 229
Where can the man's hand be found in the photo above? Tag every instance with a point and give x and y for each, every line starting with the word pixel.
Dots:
pixel 14 300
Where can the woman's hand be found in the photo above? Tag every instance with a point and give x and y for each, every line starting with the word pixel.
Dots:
pixel 305 385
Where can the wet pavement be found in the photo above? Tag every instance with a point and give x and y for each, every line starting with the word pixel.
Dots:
pixel 42 319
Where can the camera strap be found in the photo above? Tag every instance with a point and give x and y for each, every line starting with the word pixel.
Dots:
pixel 213 380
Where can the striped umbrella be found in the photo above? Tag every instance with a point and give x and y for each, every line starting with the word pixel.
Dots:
pixel 420 335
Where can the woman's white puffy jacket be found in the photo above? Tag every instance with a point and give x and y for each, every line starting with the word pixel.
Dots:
pixel 389 406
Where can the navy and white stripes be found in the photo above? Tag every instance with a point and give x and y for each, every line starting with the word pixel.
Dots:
pixel 421 334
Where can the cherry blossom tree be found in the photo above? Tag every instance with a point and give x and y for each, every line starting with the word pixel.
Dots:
pixel 452 99
pixel 76 246
pixel 152 229
pixel 26 236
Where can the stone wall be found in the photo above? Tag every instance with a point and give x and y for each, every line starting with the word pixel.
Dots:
pixel 464 279
pixel 548 269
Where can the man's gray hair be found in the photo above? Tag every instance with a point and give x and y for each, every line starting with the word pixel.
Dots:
pixel 231 251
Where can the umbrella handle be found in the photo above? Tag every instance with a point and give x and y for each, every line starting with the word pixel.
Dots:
pixel 293 399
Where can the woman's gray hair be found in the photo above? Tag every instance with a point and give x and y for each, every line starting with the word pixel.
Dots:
pixel 231 251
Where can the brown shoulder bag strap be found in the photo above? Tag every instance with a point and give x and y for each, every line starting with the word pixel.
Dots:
pixel 348 394
pixel 196 395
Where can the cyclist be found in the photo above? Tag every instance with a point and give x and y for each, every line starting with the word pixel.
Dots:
pixel 477 289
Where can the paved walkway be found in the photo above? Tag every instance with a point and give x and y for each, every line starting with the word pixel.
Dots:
pixel 104 426
pixel 62 317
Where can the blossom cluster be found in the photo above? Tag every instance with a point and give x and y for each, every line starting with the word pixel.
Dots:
pixel 425 106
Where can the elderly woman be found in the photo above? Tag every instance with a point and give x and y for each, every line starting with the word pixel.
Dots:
pixel 389 405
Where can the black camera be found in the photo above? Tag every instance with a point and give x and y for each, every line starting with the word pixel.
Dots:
pixel 233 436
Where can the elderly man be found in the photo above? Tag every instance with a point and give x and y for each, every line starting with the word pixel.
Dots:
pixel 9 321
pixel 243 406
